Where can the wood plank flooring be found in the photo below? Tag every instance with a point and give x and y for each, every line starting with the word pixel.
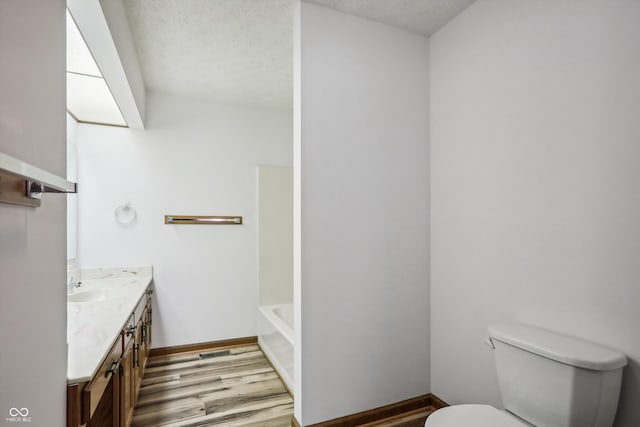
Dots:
pixel 234 387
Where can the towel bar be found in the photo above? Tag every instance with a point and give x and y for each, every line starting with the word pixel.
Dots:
pixel 196 219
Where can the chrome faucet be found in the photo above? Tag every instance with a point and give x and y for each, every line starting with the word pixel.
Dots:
pixel 72 286
pixel 73 281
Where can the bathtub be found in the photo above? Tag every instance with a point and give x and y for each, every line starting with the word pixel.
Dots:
pixel 275 336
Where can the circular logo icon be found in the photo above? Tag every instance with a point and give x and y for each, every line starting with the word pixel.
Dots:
pixel 14 412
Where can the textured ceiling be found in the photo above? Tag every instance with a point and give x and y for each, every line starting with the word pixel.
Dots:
pixel 241 51
pixel 237 51
pixel 420 16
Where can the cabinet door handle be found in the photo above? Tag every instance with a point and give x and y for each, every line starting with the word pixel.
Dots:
pixel 136 352
pixel 113 368
pixel 144 332
pixel 131 330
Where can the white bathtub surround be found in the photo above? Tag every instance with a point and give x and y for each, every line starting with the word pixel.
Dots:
pixel 275 235
pixel 275 336
pixel 275 268
pixel 93 326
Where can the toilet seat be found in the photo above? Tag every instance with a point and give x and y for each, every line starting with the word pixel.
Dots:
pixel 473 415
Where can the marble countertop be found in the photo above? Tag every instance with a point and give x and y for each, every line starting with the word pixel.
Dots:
pixel 93 326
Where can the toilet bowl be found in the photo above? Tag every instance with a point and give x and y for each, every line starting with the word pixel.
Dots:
pixel 473 415
pixel 546 379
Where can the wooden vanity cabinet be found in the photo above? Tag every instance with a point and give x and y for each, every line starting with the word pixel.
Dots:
pixel 110 397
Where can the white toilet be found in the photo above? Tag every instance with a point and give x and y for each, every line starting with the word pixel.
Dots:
pixel 546 379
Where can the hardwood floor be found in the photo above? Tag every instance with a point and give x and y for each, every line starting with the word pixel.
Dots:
pixel 231 387
pixel 226 388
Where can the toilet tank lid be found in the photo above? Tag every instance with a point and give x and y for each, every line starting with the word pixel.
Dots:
pixel 559 347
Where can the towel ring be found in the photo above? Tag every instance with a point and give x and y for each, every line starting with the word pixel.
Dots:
pixel 125 214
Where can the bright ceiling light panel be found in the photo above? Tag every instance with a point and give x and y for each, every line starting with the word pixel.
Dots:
pixel 89 99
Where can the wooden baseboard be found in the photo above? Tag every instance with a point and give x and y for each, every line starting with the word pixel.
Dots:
pixel 421 402
pixel 190 348
pixel 436 402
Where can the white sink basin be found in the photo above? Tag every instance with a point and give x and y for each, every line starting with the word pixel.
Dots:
pixel 87 296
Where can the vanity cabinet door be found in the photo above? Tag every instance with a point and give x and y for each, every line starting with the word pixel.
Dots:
pixel 127 382
pixel 149 323
pixel 138 351
pixel 145 339
pixel 100 401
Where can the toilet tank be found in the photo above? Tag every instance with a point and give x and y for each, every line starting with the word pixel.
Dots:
pixel 554 380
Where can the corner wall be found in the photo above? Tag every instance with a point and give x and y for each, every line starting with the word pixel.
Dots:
pixel 535 170
pixel 364 287
pixel 194 158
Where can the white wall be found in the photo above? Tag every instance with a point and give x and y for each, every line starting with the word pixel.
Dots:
pixel 194 158
pixel 535 172
pixel 275 235
pixel 365 252
pixel 33 364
